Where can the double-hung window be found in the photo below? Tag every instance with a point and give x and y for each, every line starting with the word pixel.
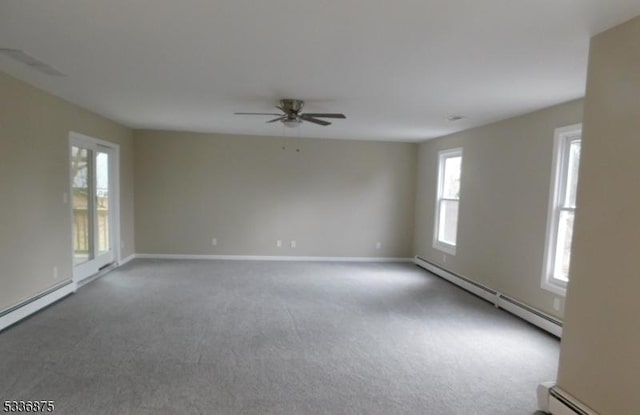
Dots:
pixel 562 207
pixel 448 200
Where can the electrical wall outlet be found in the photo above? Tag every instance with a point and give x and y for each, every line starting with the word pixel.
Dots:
pixel 279 243
pixel 65 198
pixel 214 242
pixel 378 245
pixel 293 244
pixel 55 273
pixel 556 304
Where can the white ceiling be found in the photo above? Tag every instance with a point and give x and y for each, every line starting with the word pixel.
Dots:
pixel 397 68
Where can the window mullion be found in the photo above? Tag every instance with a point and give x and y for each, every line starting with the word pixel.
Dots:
pixel 571 209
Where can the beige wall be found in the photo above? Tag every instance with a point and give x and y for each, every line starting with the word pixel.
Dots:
pixel 506 175
pixel 35 224
pixel 333 197
pixel 600 356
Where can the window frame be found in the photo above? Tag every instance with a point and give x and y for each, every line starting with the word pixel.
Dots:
pixel 443 155
pixel 563 137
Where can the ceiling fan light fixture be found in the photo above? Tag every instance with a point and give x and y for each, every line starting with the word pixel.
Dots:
pixel 292 123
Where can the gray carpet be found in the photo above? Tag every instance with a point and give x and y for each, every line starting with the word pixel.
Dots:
pixel 225 337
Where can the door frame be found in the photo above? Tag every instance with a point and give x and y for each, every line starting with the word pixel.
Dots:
pixel 96 144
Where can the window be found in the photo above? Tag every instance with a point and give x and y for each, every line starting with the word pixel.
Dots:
pixel 562 207
pixel 448 202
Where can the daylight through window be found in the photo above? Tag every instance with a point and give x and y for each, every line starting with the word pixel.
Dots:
pixel 562 208
pixel 448 202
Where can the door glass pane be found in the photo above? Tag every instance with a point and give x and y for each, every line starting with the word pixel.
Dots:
pixel 448 226
pixel 102 202
pixel 451 184
pixel 572 174
pixel 563 246
pixel 81 204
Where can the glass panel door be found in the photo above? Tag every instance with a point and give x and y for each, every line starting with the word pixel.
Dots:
pixel 102 203
pixel 81 200
pixel 92 202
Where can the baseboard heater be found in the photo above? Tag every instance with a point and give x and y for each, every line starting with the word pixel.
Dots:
pixel 16 313
pixel 556 401
pixel 513 306
pixel 103 270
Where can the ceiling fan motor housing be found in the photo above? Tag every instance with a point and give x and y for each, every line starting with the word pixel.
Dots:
pixel 292 105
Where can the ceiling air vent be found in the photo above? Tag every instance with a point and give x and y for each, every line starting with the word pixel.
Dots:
pixel 38 65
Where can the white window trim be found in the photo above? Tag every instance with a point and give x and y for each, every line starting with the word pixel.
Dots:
pixel 437 244
pixel 558 182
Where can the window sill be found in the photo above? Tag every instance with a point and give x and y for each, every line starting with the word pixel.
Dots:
pixel 446 248
pixel 556 288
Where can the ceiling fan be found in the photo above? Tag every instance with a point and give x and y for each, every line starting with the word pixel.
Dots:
pixel 292 115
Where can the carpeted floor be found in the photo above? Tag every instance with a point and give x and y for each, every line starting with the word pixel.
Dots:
pixel 227 337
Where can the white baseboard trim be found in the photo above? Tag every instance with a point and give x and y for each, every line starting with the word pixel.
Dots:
pixel 515 307
pixel 126 260
pixel 562 403
pixel 26 308
pixel 273 258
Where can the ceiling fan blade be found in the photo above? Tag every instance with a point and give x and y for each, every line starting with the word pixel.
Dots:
pixel 277 119
pixel 255 113
pixel 318 115
pixel 306 117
